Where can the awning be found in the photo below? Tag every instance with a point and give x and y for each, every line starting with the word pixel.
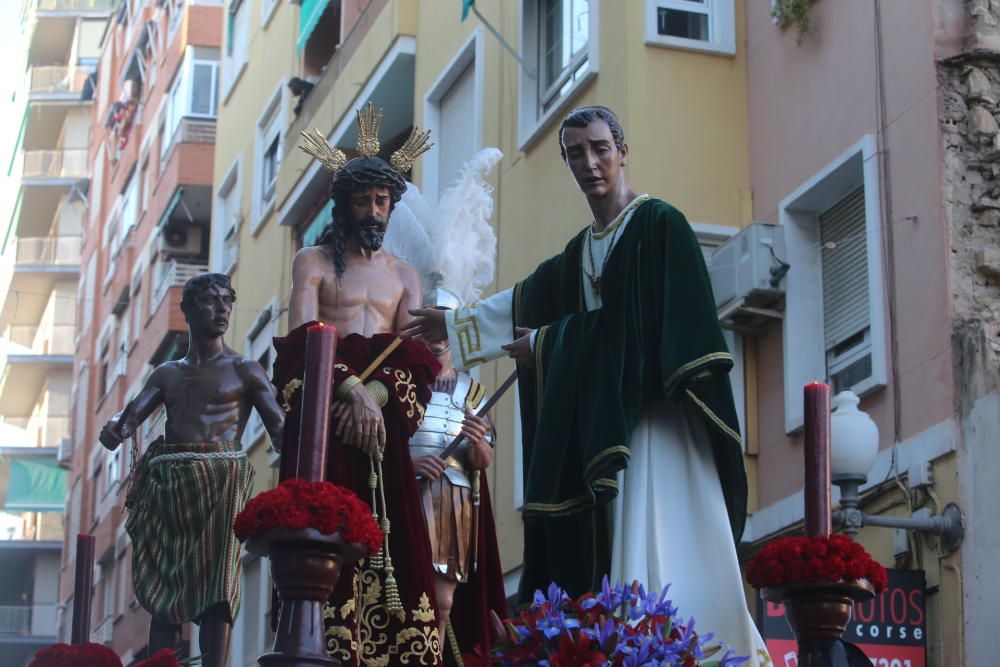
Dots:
pixel 35 486
pixel 309 14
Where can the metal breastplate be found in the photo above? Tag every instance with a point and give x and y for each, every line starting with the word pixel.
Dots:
pixel 443 423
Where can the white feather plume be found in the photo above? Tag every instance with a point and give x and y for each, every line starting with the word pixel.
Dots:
pixel 452 246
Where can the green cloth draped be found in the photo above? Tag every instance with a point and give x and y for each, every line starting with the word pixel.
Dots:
pixel 656 336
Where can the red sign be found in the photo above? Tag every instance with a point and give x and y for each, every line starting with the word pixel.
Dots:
pixel 891 629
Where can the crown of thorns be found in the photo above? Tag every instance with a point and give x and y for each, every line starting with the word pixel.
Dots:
pixel 334 159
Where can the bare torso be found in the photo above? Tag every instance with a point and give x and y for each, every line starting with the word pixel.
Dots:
pixel 372 297
pixel 209 402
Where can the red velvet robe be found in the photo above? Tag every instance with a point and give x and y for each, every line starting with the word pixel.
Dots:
pixel 360 629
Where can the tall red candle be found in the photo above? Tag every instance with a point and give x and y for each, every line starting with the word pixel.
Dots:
pixel 817 455
pixel 317 389
pixel 83 588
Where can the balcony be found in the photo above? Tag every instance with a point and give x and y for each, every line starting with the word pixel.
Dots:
pixel 48 432
pixel 51 167
pixel 173 274
pixel 55 83
pixel 28 619
pixel 41 253
pixel 55 339
pixel 73 6
pixel 33 355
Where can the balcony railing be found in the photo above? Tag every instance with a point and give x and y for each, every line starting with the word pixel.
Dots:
pixel 56 79
pixel 49 250
pixel 51 339
pixel 173 274
pixel 28 619
pixel 192 131
pixel 74 5
pixel 68 163
pixel 47 432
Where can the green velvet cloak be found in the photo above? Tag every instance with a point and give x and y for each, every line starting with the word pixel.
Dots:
pixel 656 336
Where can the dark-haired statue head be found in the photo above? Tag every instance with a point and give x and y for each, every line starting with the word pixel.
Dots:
pixel 364 193
pixel 592 143
pixel 207 302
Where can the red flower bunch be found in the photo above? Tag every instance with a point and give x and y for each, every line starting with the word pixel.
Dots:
pixel 95 655
pixel 297 503
pixel 793 560
pixel 76 655
pixel 164 658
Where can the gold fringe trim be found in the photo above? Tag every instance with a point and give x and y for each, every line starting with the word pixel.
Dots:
pixel 676 375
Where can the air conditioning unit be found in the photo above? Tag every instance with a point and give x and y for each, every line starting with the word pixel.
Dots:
pixel 181 240
pixel 747 273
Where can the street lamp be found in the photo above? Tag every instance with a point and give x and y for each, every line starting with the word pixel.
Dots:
pixel 854 447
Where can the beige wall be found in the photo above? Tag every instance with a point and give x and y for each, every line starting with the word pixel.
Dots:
pixel 689 110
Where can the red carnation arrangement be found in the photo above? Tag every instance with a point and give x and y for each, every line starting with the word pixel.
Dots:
pixel 95 655
pixel 795 560
pixel 298 503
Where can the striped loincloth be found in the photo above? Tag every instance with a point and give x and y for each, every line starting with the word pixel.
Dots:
pixel 181 506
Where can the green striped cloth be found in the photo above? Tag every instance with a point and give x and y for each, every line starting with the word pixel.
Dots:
pixel 181 506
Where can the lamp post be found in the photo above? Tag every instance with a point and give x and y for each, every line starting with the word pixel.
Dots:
pixel 854 448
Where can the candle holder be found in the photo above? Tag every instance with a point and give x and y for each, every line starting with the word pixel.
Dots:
pixel 818 613
pixel 305 567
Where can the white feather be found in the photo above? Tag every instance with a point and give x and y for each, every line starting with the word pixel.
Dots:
pixel 453 246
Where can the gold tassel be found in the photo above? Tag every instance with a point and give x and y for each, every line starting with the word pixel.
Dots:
pixel 393 603
pixel 456 652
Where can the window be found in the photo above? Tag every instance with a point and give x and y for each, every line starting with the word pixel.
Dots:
pixel 226 226
pixel 699 25
pixel 268 156
pixel 112 471
pixel 175 12
pixel 234 58
pixel 146 183
pixel 86 293
pixel 560 50
pixel 193 93
pixel 130 206
pixel 105 360
pixel 563 30
pixel 80 408
pixel 267 8
pixel 107 587
pixel 259 347
pixel 834 325
pixel 137 309
pixel 252 629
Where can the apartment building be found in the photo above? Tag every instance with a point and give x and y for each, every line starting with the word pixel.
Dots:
pixel 38 288
pixel 150 155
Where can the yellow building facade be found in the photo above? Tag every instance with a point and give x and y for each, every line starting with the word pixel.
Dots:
pixel 685 99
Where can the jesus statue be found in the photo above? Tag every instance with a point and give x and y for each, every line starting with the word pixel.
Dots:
pixel 632 454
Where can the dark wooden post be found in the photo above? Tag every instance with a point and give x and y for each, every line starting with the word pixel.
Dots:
pixel 83 588
pixel 817 459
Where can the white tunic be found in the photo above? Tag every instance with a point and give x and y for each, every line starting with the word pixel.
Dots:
pixel 670 521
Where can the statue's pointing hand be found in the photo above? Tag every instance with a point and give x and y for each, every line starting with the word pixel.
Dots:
pixel 520 350
pixel 427 325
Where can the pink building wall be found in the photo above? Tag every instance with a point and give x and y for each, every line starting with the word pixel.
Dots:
pixel 810 103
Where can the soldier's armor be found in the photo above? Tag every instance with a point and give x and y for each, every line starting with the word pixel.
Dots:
pixel 450 501
pixel 442 423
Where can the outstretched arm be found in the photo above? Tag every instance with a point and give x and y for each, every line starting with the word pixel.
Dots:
pixel 412 295
pixel 264 400
pixel 307 276
pixel 137 411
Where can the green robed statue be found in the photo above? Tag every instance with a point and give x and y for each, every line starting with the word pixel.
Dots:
pixel 632 452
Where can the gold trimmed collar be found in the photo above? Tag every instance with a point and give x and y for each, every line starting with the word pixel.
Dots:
pixel 597 236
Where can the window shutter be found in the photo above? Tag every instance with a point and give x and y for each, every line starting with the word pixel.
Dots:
pixel 845 269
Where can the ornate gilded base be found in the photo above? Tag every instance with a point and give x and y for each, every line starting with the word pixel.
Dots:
pixel 819 613
pixel 305 566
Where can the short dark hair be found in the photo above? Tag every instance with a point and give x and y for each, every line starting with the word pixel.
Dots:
pixel 200 284
pixel 584 116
